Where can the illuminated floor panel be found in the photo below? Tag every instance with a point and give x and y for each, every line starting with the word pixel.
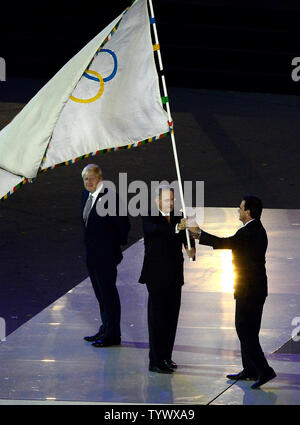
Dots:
pixel 47 360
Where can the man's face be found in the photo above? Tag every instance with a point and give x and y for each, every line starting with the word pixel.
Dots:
pixel 91 180
pixel 244 215
pixel 166 201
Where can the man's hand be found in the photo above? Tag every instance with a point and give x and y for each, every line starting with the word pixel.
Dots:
pixel 182 224
pixel 193 230
pixel 191 252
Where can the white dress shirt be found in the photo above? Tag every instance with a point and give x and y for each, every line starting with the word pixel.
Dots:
pixel 248 222
pixel 96 193
pixel 164 214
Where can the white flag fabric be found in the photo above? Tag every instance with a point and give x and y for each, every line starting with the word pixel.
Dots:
pixel 24 140
pixel 117 102
pixel 9 183
pixel 102 98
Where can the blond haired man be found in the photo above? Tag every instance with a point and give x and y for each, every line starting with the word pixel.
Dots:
pixel 103 237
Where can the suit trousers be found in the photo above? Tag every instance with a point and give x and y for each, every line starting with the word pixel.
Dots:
pixel 248 315
pixel 104 284
pixel 163 312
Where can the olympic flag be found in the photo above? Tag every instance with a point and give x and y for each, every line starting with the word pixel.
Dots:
pixel 106 96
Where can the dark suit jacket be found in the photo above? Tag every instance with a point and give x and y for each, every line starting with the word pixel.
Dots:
pixel 163 260
pixel 103 236
pixel 248 246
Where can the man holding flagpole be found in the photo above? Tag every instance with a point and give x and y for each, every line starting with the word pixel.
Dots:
pixel 162 272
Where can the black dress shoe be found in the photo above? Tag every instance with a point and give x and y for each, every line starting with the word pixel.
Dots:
pixel 241 376
pixel 170 364
pixel 160 369
pixel 94 338
pixel 264 378
pixel 106 342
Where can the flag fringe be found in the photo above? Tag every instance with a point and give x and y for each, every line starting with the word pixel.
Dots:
pixel 73 161
pixel 108 37
pixel 15 189
pixel 102 151
pixel 165 101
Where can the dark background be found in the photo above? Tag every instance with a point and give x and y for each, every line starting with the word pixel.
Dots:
pixel 216 44
pixel 235 108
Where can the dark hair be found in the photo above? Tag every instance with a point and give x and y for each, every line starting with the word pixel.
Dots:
pixel 253 204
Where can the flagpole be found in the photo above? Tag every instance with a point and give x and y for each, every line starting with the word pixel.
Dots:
pixel 157 49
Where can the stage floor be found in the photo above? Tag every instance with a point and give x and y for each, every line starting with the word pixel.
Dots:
pixel 46 360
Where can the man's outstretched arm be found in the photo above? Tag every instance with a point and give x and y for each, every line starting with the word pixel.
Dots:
pixel 211 240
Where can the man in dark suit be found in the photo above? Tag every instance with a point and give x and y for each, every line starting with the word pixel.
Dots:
pixel 103 237
pixel 162 272
pixel 248 246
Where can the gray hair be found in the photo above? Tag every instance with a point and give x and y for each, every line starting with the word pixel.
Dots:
pixel 91 167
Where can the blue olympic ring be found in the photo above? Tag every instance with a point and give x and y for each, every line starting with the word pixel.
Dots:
pixel 111 76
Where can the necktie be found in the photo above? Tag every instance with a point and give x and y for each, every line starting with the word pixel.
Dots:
pixel 168 218
pixel 87 208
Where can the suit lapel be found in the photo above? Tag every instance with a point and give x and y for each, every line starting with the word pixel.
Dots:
pixel 163 219
pixel 84 198
pixel 98 199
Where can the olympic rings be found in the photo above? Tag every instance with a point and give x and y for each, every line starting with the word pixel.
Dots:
pixel 111 76
pixel 98 78
pixel 92 99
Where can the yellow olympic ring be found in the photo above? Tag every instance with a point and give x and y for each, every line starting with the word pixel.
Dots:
pixel 99 94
